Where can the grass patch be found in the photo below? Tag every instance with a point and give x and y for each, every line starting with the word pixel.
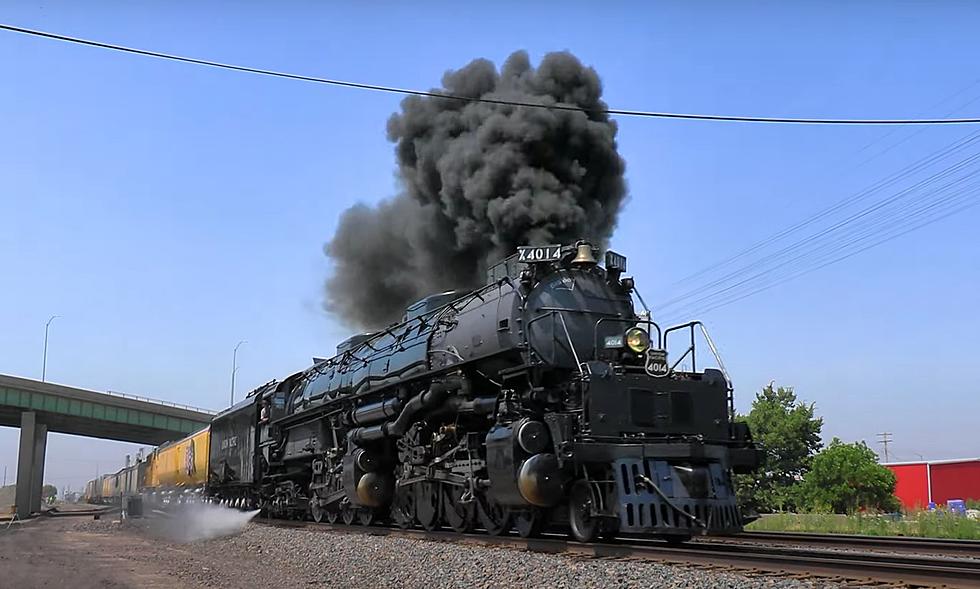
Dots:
pixel 926 524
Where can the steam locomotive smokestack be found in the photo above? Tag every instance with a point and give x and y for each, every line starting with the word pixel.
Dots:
pixel 477 180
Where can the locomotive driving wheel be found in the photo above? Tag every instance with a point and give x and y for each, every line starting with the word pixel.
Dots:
pixel 347 514
pixel 584 524
pixel 494 517
pixel 459 514
pixel 427 504
pixel 365 516
pixel 402 509
pixel 316 511
pixel 529 523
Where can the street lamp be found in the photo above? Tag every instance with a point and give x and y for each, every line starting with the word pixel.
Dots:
pixel 44 358
pixel 234 369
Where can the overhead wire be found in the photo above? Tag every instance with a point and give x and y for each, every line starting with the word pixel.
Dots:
pixel 615 112
pixel 898 222
pixel 934 106
pixel 897 219
pixel 906 172
pixel 846 201
pixel 483 99
pixel 841 258
pixel 855 217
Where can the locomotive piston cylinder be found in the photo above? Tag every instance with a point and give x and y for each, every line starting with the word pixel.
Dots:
pixel 521 472
pixel 540 480
pixel 364 435
pixel 374 489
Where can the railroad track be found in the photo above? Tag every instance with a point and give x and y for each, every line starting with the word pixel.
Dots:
pixel 967 548
pixel 750 557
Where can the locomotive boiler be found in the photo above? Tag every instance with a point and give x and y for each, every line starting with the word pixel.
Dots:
pixel 542 399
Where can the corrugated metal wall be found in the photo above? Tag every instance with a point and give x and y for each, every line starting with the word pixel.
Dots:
pixel 958 480
pixel 950 479
pixel 912 485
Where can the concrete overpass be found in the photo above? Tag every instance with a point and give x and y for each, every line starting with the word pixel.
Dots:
pixel 39 407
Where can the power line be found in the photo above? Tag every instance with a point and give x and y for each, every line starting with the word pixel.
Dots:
pixel 948 113
pixel 925 215
pixel 498 101
pixel 860 196
pixel 966 200
pixel 843 257
pixel 841 204
pixel 841 241
pixel 830 231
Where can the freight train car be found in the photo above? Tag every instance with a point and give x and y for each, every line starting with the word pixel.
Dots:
pixel 111 488
pixel 93 491
pixel 177 471
pixel 131 479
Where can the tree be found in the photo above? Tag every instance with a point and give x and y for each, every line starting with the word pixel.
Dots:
pixel 845 478
pixel 790 435
pixel 49 493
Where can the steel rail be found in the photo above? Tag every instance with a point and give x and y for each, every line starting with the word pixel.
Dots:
pixel 970 548
pixel 912 571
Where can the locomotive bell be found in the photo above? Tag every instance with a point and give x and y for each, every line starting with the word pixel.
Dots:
pixel 584 255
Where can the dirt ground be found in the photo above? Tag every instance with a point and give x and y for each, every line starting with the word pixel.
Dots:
pixel 81 553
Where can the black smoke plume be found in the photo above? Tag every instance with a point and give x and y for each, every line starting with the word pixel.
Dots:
pixel 478 180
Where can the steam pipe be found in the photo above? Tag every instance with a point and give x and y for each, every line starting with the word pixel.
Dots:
pixel 430 399
pixel 375 412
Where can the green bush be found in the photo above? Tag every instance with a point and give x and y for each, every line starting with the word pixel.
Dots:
pixel 846 478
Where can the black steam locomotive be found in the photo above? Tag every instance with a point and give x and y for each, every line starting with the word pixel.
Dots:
pixel 539 400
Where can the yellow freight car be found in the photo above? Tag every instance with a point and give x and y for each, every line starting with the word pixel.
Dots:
pixel 180 465
pixel 112 487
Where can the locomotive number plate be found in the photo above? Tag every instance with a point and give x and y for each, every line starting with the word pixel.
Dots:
pixel 534 253
pixel 656 364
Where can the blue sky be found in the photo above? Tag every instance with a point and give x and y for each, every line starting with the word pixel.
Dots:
pixel 167 211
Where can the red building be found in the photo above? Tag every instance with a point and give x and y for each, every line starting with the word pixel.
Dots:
pixel 938 481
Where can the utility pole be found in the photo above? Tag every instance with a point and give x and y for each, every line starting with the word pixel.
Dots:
pixel 234 369
pixel 44 358
pixel 885 438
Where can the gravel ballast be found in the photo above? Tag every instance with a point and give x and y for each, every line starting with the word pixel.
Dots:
pixel 266 556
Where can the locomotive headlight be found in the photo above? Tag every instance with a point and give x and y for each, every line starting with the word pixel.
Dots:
pixel 637 340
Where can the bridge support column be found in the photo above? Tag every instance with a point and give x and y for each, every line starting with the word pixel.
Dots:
pixel 30 464
pixel 37 482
